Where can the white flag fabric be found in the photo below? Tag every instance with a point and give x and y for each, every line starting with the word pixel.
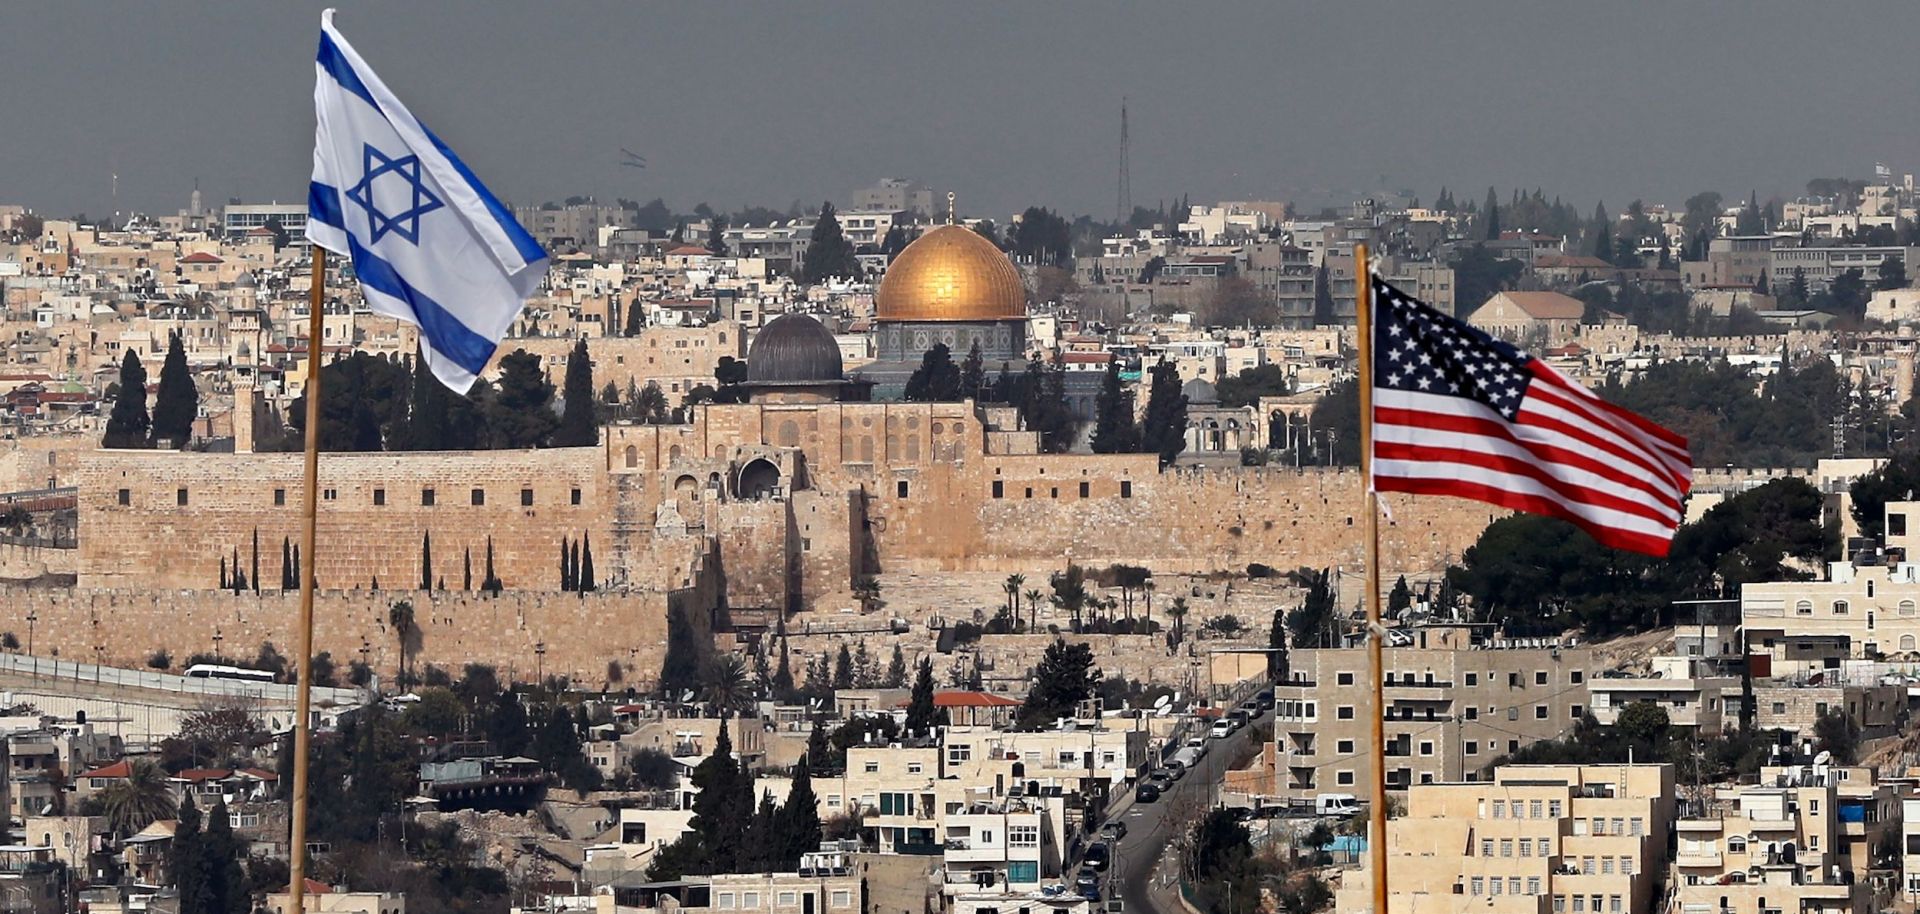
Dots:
pixel 428 242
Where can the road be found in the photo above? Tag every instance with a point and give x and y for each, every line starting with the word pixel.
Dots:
pixel 1143 874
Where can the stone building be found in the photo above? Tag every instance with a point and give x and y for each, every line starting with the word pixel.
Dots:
pixel 1456 700
pixel 1571 839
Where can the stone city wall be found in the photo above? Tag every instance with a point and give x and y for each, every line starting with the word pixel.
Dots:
pixel 581 633
pixel 25 562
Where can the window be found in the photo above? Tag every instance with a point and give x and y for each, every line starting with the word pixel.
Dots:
pixel 1575 712
pixel 1576 677
pixel 1526 847
pixel 1344 678
pixel 787 899
pixel 726 901
pixel 1513 713
pixel 843 898
pixel 1126 488
pixel 959 752
pixel 1473 713
pixel 379 498
pixel 1539 677
pixel 1496 884
pixel 1839 606
pixel 1499 809
pixel 750 900
pixel 1343 778
pixel 1426 747
pixel 1086 489
pixel 279 497
pixel 1804 608
pixel 1559 904
pixel 1896 525
pixel 1553 809
pixel 180 497
pixel 1606 866
pixel 1023 836
pixel 1545 848
pixel 1486 847
pixel 526 498
pixel 1344 747
pixel 1636 826
pixel 1473 747
pixel 1539 712
pixel 576 496
pixel 1473 679
pixel 1478 886
pixel 871 767
pixel 900 489
pixel 479 497
pixel 426 497
pixel 1533 885
pixel 914 767
pixel 1506 847
pixel 1344 712
pixel 329 494
pixel 999 489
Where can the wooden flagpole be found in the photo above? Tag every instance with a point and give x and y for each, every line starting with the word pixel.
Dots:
pixel 303 691
pixel 1376 810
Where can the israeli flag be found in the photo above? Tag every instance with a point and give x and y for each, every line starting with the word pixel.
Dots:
pixel 430 244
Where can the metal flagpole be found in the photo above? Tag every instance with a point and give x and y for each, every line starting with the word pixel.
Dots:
pixel 303 691
pixel 1377 810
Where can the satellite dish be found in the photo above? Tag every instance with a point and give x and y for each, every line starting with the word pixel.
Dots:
pixel 1162 702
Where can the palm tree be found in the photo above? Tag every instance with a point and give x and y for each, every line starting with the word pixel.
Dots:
pixel 1179 613
pixel 1147 588
pixel 1012 587
pixel 134 803
pixel 727 688
pixel 1033 608
pixel 400 616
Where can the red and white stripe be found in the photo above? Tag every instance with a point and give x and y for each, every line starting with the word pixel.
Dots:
pixel 1568 454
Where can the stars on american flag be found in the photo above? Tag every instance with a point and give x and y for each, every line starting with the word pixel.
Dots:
pixel 1425 351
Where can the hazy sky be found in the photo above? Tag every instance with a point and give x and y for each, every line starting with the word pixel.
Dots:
pixel 1006 103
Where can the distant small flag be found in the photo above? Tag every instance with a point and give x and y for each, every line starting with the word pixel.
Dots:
pixel 429 243
pixel 1457 412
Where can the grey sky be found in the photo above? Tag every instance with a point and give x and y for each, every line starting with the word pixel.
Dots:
pixel 1006 103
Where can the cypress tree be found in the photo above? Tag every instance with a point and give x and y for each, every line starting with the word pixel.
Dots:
pixel 1114 431
pixel 287 581
pixel 636 317
pixel 298 581
pixel 490 584
pixel 226 885
pixel 566 566
pixel 579 427
pixel 186 858
pixel 937 380
pixel 783 674
pixel 1323 313
pixel 466 568
pixel 239 577
pixel 256 560
pixel 973 373
pixel 801 817
pixel 426 560
pixel 128 424
pixel 1164 430
pixel 223 573
pixel 1492 215
pixel 920 710
pixel 897 669
pixel 175 403
pixel 1602 242
pixel 586 581
pixel 829 254
pixel 819 753
pixel 718 817
pixel 843 668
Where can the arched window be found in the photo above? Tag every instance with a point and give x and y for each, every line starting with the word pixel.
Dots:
pixel 1737 844
pixel 1906 607
pixel 1906 642
pixel 1804 607
pixel 1839 607
pixel 633 456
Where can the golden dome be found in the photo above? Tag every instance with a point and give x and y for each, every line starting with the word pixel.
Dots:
pixel 951 274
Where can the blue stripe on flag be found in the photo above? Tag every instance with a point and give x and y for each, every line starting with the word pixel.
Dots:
pixel 444 332
pixel 336 65
pixel 523 242
pixel 323 205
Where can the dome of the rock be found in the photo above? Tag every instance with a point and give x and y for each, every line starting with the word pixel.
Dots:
pixel 951 274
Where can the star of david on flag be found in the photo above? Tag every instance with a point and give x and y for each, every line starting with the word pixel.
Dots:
pixel 430 244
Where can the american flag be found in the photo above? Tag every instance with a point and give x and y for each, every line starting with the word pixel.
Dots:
pixel 1458 412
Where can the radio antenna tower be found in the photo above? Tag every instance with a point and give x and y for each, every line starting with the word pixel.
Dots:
pixel 1124 205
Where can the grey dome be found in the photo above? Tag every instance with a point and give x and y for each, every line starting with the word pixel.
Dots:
pixel 793 349
pixel 1199 391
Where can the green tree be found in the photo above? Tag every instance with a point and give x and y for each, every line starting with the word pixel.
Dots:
pixel 973 374
pixel 1312 622
pixel 506 726
pixel 1323 311
pixel 227 891
pixel 1247 387
pixel 1400 598
pixel 829 254
pixel 1065 677
pixel 937 380
pixel 437 715
pixel 921 716
pixel 1335 423
pixel 1043 237
pixel 176 403
pixel 1070 594
pixel 896 669
pixel 1491 215
pixel 134 802
pixel 520 415
pixel 579 422
pixel 726 687
pixel 1236 302
pixel 400 619
pixel 1836 732
pixel 1892 274
pixel 187 858
pixel 1114 429
pixel 128 424
pixel 800 817
pixel 1163 429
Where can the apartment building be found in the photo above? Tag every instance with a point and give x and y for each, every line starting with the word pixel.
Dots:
pixel 1536 839
pixel 1694 694
pixel 1802 839
pixel 1819 265
pixel 1858 612
pixel 825 883
pixel 1457 698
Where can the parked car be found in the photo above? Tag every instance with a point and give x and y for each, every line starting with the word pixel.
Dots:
pixel 1098 854
pixel 1265 699
pixel 1088 880
pixel 1221 729
pixel 1147 792
pixel 1114 831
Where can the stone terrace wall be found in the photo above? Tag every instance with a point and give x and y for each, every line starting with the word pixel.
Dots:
pixel 372 516
pixel 581 632
pixel 26 562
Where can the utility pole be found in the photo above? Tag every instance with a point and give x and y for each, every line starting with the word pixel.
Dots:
pixel 1123 205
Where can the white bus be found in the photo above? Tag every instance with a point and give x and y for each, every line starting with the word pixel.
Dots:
pixel 216 671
